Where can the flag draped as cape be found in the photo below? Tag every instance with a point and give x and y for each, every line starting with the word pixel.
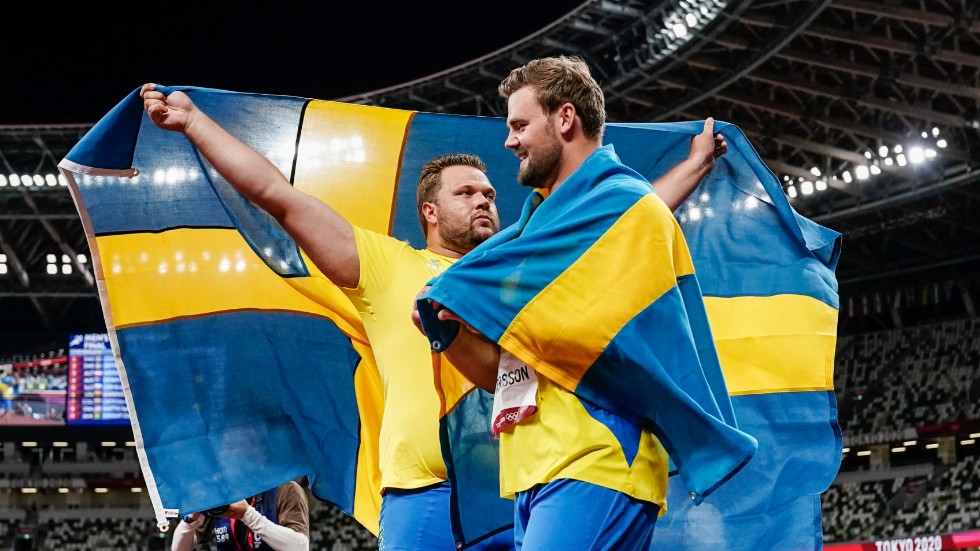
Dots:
pixel 594 288
pixel 243 369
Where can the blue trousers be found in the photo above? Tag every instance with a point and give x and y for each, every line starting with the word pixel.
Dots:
pixel 573 515
pixel 418 520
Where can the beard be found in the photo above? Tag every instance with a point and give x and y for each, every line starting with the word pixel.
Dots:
pixel 464 237
pixel 543 165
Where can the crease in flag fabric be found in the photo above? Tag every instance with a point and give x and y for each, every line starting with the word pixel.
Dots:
pixel 243 368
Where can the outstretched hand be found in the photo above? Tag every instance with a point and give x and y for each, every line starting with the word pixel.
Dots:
pixel 707 146
pixel 173 112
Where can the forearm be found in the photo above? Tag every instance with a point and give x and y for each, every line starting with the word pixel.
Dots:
pixel 243 167
pixel 185 536
pixel 320 231
pixel 280 538
pixel 675 186
pixel 476 358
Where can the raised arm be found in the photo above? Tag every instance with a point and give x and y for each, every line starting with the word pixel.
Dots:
pixel 325 235
pixel 675 186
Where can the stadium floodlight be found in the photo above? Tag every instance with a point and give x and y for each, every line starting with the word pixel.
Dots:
pixel 847 176
pixel 875 170
pixel 51 180
pixel 60 444
pixel 932 446
pixel 916 155
pixel 62 490
pixel 967 442
pixel 883 151
pixel 38 180
pixel 820 185
pixel 680 31
pixel 889 161
pixel 899 449
pixel 815 171
pixel 28 444
pixel 864 453
pixel 28 490
pixel 102 490
pixel 868 155
pixel 929 153
pixel 901 160
pixel 940 143
pixel 14 179
pixel 909 443
pixel 108 444
pixel 861 172
pixel 26 180
pixel 935 131
pixel 791 190
pixel 846 450
pixel 3 180
pixel 136 489
pixel 62 181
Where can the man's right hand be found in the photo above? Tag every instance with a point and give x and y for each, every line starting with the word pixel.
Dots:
pixel 173 112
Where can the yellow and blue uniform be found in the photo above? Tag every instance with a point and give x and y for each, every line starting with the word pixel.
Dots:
pixel 392 273
pixel 572 459
pixel 415 507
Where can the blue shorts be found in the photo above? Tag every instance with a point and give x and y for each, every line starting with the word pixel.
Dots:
pixel 418 520
pixel 570 514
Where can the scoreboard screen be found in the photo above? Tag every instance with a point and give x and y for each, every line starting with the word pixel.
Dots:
pixel 94 394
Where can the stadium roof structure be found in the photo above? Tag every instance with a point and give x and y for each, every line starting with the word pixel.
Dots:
pixel 867 111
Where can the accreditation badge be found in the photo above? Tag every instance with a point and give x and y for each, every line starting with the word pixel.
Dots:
pixel 515 397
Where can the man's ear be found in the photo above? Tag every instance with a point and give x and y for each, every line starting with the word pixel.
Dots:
pixel 565 117
pixel 429 212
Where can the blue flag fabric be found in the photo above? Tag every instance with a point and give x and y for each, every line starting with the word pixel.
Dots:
pixel 211 305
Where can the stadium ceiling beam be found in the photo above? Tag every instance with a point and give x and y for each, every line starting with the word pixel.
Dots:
pixel 969 176
pixel 800 172
pixel 891 45
pixel 895 12
pixel 25 282
pixel 15 262
pixel 56 236
pixel 871 71
pixel 794 141
pixel 842 125
pixel 725 78
pixel 619 9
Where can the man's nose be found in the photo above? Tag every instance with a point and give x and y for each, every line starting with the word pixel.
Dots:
pixel 511 142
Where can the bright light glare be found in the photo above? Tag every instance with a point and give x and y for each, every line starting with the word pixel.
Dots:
pixel 916 155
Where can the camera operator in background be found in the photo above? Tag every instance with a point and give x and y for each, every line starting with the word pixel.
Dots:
pixel 275 520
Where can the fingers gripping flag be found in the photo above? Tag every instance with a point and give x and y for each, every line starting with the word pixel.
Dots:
pixel 243 367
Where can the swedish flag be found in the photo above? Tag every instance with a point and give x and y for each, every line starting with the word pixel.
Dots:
pixel 244 369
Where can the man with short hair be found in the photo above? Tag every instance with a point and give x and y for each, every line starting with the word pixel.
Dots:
pixel 583 477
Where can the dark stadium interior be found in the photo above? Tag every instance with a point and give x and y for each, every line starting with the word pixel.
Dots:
pixel 868 112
